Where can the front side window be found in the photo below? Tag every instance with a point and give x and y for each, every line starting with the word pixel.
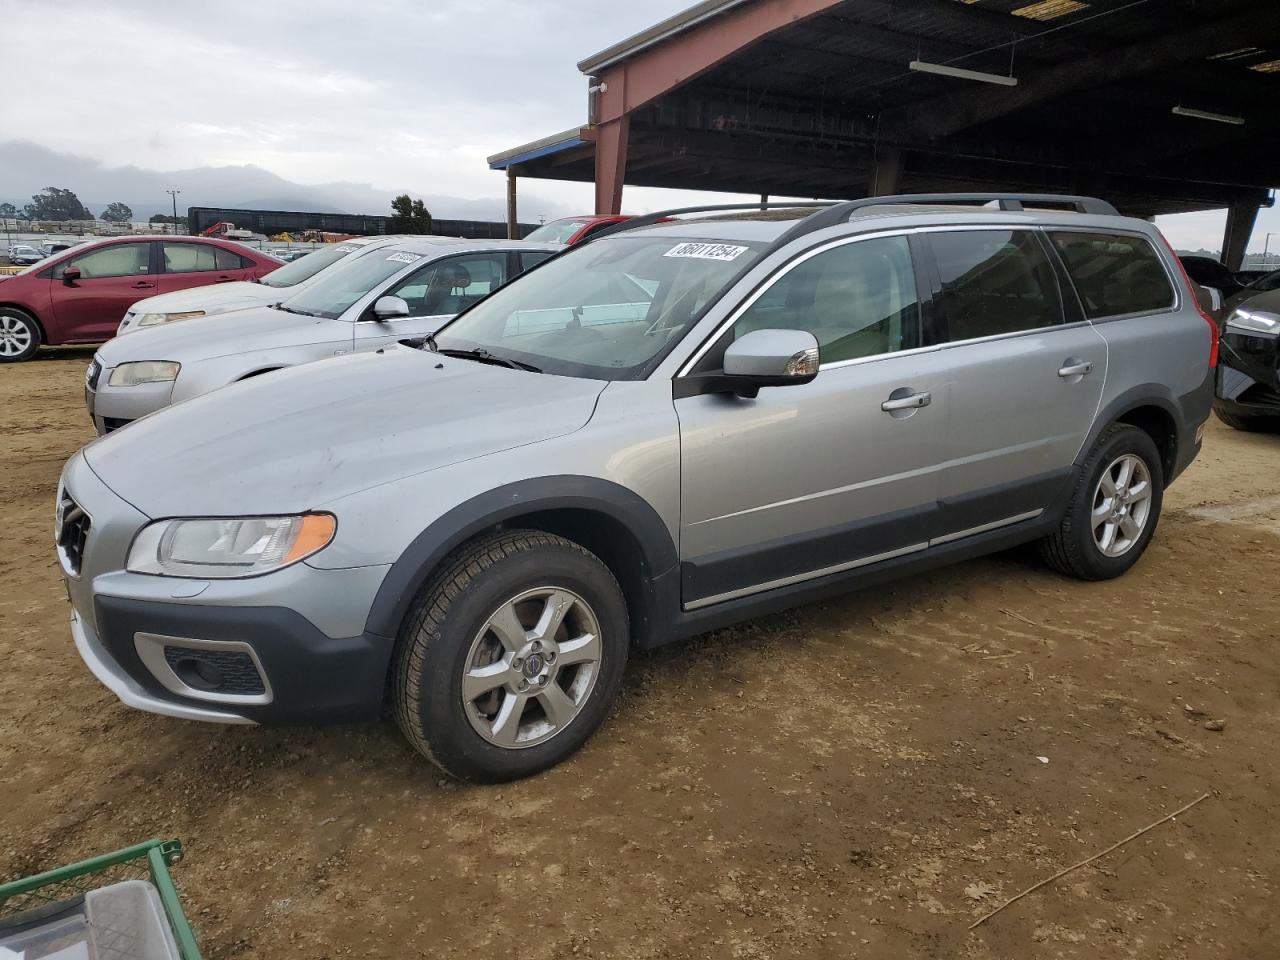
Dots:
pixel 116 260
pixel 449 286
pixel 335 292
pixel 606 310
pixel 995 282
pixel 858 299
pixel 1114 274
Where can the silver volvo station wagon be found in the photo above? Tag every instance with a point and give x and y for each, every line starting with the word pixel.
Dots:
pixel 670 428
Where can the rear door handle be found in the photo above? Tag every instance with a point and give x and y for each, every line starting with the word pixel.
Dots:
pixel 1077 369
pixel 143 285
pixel 911 402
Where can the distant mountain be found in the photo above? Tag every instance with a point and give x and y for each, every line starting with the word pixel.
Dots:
pixel 27 168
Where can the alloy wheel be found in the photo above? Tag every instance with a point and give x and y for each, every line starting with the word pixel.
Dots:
pixel 1121 505
pixel 15 335
pixel 532 667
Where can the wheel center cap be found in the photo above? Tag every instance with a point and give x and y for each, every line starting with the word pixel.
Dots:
pixel 533 665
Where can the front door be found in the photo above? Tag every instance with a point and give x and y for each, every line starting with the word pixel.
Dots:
pixel 435 294
pixel 806 481
pixel 113 277
pixel 1026 378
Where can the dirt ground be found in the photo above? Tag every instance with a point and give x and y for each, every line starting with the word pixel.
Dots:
pixel 857 779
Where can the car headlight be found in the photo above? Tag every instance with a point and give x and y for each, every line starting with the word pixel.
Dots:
pixel 144 371
pixel 155 319
pixel 222 549
pixel 1248 321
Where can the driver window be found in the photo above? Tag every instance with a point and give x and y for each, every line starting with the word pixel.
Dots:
pixel 859 299
pixel 116 260
pixel 451 285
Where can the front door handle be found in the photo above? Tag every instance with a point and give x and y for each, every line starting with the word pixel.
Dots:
pixel 909 402
pixel 143 285
pixel 1076 368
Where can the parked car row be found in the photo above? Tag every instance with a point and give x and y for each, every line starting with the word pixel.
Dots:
pixel 663 429
pixel 80 295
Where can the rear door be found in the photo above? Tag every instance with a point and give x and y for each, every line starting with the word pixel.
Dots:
pixel 1026 372
pixel 113 277
pixel 435 294
pixel 184 265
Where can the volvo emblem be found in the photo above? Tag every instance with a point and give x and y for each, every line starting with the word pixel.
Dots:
pixel 533 665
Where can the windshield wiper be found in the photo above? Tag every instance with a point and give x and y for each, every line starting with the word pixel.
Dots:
pixel 481 355
pixel 301 313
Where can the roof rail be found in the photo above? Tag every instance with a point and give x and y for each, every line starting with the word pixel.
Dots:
pixel 832 213
pixel 844 212
pixel 649 219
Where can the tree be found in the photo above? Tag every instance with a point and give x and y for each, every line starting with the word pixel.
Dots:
pixel 55 203
pixel 8 211
pixel 117 213
pixel 409 216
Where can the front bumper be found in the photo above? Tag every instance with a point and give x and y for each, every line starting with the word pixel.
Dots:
pixel 113 407
pixel 287 647
pixel 1249 375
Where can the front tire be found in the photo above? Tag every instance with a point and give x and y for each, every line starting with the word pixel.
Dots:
pixel 1113 510
pixel 1250 424
pixel 510 657
pixel 19 335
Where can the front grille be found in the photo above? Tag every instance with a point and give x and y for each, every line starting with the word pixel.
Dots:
pixel 114 423
pixel 92 374
pixel 216 671
pixel 73 531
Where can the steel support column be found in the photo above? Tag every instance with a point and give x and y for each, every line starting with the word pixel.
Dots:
pixel 887 172
pixel 1240 220
pixel 513 221
pixel 611 164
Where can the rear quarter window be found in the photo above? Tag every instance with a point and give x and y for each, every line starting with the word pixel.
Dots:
pixel 1115 274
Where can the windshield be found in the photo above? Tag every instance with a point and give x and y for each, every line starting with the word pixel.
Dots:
pixel 604 310
pixel 557 231
pixel 306 267
pixel 331 295
pixel 1270 282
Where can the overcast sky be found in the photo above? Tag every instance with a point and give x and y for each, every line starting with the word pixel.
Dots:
pixel 401 94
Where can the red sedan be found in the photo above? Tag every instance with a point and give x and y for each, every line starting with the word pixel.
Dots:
pixel 79 295
pixel 573 230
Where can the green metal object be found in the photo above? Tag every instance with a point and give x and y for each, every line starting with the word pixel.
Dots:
pixel 144 861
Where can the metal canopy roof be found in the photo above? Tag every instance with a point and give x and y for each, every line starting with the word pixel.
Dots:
pixel 813 107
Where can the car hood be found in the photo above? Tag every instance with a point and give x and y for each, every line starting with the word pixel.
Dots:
pixel 1268 300
pixel 213 298
pixel 222 335
pixel 299 438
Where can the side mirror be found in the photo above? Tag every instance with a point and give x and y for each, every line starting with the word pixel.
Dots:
pixel 390 308
pixel 70 275
pixel 773 358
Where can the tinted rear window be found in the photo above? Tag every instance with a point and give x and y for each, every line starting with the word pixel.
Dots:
pixel 1115 274
pixel 995 282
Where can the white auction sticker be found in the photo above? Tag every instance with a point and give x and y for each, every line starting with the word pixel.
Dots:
pixel 403 258
pixel 345 249
pixel 706 251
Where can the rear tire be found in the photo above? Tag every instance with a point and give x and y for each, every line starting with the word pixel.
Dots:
pixel 1248 423
pixel 511 656
pixel 1113 510
pixel 19 335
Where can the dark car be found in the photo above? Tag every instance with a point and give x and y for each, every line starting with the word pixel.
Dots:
pixel 80 295
pixel 1248 389
pixel 1209 272
pixel 1264 284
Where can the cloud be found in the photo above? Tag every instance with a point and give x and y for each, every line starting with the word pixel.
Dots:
pixel 405 94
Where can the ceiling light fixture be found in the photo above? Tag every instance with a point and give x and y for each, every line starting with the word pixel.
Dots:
pixel 923 66
pixel 1206 115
